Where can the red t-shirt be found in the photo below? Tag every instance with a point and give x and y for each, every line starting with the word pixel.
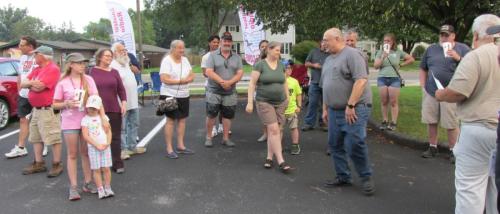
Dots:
pixel 49 75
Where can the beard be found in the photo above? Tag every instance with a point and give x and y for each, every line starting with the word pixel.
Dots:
pixel 123 60
pixel 226 48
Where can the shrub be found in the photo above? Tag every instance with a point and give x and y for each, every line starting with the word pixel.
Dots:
pixel 418 51
pixel 302 49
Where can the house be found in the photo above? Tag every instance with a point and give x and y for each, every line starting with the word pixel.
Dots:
pixel 232 24
pixel 87 47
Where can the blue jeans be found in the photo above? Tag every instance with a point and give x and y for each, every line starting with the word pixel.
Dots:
pixel 349 140
pixel 129 129
pixel 315 93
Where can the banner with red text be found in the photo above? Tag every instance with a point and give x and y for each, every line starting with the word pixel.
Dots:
pixel 252 33
pixel 122 25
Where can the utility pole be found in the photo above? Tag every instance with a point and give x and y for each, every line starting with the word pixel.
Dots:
pixel 139 30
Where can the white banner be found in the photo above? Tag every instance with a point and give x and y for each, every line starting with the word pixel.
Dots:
pixel 122 25
pixel 253 33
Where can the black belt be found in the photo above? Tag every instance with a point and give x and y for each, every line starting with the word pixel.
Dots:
pixel 43 107
pixel 369 105
pixel 47 108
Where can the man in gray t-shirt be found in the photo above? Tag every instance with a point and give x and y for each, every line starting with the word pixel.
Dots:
pixel 314 62
pixel 346 108
pixel 224 69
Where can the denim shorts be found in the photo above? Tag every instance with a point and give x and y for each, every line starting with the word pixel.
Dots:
pixel 394 82
pixel 71 131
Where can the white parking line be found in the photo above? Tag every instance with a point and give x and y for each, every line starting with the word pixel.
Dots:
pixel 9 134
pixel 144 142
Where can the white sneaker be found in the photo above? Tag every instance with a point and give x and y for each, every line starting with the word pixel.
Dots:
pixel 17 152
pixel 214 132
pixel 45 151
pixel 221 129
pixel 125 155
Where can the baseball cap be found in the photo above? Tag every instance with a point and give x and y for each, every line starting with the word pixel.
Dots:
pixel 447 29
pixel 493 30
pixel 76 57
pixel 227 36
pixel 94 101
pixel 45 50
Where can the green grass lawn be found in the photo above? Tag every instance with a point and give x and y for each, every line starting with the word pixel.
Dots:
pixel 415 66
pixel 197 69
pixel 410 105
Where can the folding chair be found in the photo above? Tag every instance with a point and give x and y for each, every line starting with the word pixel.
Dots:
pixel 155 89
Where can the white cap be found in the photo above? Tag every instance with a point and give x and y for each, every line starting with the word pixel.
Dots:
pixel 94 101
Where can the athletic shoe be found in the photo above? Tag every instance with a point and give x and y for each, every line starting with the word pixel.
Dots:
pixel 262 138
pixel 220 130
pixel 214 131
pixel 383 126
pixel 228 143
pixel 208 143
pixel 17 152
pixel 101 193
pixel 45 151
pixel 125 155
pixel 295 149
pixel 108 192
pixel 430 152
pixel 73 194
pixel 89 188
pixel 367 186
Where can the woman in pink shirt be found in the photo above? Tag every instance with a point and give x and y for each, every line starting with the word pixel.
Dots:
pixel 70 96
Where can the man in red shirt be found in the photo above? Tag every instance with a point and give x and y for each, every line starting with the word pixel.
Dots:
pixel 45 122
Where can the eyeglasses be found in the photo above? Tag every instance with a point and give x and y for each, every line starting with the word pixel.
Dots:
pixel 107 55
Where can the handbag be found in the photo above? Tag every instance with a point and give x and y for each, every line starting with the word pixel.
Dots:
pixel 169 104
pixel 401 80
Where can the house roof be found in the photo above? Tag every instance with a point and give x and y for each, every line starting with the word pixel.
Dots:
pixel 232 18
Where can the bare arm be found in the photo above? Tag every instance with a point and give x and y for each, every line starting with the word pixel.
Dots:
pixel 213 76
pixel 450 96
pixel 188 79
pixel 236 78
pixel 87 138
pixel 408 59
pixel 357 91
pixel 254 77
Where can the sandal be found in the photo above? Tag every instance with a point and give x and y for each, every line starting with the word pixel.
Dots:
pixel 268 164
pixel 285 168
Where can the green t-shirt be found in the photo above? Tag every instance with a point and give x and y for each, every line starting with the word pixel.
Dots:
pixel 270 85
pixel 386 70
pixel 294 90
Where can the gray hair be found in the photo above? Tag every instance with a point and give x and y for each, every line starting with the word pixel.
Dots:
pixel 483 22
pixel 351 32
pixel 334 32
pixel 174 44
pixel 114 45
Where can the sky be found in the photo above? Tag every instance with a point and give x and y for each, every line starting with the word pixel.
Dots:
pixel 79 12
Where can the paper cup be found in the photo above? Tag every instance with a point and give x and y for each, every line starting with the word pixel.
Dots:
pixel 446 48
pixel 387 48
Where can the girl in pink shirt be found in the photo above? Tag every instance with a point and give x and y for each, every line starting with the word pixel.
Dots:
pixel 70 95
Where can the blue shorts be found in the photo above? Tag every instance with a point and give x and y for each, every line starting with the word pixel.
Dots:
pixel 394 82
pixel 71 131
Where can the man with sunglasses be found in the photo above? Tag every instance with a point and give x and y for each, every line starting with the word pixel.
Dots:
pixel 224 69
pixel 439 63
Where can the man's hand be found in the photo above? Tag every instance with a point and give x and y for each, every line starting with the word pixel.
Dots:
pixel 297 110
pixel 453 54
pixel 324 116
pixel 317 65
pixel 226 85
pixel 249 108
pixel 350 115
pixel 37 84
pixel 135 69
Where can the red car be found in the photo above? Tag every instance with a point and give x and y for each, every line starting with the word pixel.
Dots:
pixel 8 90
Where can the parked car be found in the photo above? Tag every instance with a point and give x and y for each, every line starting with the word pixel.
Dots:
pixel 8 90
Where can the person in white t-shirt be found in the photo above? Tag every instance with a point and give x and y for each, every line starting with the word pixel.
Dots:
pixel 213 44
pixel 176 74
pixel 27 63
pixel 121 63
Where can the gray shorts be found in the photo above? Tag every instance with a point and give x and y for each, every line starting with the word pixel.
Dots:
pixel 225 104
pixel 23 107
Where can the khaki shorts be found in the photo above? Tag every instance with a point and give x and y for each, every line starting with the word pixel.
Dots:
pixel 270 113
pixel 434 112
pixel 45 126
pixel 292 120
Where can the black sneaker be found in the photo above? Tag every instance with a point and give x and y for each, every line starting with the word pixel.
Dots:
pixel 391 126
pixel 451 157
pixel 337 183
pixel 367 186
pixel 383 126
pixel 430 152
pixel 307 128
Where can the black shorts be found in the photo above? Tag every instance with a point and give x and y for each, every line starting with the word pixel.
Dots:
pixel 182 111
pixel 23 107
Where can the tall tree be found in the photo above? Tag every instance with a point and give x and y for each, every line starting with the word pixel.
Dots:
pixel 148 31
pixel 9 16
pixel 98 30
pixel 28 26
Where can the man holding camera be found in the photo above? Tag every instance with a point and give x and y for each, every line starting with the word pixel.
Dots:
pixel 438 64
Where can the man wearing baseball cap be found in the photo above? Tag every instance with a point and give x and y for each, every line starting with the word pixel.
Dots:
pixel 44 127
pixel 224 69
pixel 439 62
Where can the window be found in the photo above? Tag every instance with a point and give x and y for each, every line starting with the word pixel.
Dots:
pixel 238 48
pixel 237 28
pixel 227 28
pixel 233 29
pixel 286 48
pixel 7 69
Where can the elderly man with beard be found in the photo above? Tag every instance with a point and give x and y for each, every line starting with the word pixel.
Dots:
pixel 121 63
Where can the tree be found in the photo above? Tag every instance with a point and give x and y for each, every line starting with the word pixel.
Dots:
pixel 28 26
pixel 192 21
pixel 98 30
pixel 412 19
pixel 9 16
pixel 148 31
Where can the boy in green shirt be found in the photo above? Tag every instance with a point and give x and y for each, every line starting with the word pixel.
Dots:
pixel 294 107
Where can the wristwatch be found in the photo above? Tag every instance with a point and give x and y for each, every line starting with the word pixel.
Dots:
pixel 350 106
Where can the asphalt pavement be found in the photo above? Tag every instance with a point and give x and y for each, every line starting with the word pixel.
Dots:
pixel 233 180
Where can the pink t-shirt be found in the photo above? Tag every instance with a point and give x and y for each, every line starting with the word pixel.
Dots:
pixel 65 90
